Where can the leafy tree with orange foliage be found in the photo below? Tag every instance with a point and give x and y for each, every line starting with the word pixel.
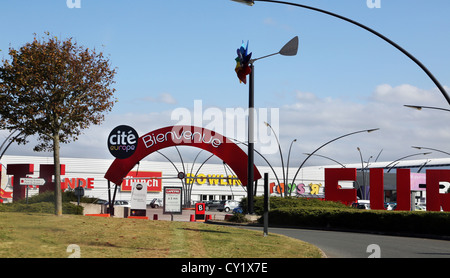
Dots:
pixel 54 89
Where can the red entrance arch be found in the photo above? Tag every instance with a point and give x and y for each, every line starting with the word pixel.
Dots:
pixel 170 136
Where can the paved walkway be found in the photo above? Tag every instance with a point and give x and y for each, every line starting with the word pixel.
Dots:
pixel 185 216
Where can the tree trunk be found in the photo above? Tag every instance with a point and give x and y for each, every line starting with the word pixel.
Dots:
pixel 57 164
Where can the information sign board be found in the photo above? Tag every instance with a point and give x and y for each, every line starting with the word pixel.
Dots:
pixel 200 211
pixel 138 199
pixel 172 200
pixel 32 181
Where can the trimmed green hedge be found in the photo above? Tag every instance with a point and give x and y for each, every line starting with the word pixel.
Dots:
pixel 315 213
pixel 414 222
pixel 288 202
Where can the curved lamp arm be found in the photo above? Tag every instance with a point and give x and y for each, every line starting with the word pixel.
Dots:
pixel 430 75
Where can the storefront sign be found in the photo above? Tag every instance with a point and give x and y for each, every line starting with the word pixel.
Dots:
pixel 149 178
pixel 297 190
pixel 172 200
pixel 201 179
pixel 73 183
pixel 186 136
pixel 198 137
pixel 434 199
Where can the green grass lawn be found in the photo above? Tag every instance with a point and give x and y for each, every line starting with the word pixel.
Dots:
pixel 36 235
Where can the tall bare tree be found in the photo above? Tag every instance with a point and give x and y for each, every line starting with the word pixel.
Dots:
pixel 54 89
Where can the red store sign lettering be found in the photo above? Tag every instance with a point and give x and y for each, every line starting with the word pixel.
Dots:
pixel 434 199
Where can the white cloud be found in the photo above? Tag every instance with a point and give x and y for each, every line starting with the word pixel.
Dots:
pixel 406 94
pixel 306 97
pixel 314 120
pixel 162 98
pixel 269 21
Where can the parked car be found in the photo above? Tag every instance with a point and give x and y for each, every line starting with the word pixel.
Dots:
pixel 156 203
pixel 362 204
pixel 238 210
pixel 227 205
pixel 121 203
pixel 212 204
pixel 117 203
pixel 101 202
pixel 421 208
pixel 390 206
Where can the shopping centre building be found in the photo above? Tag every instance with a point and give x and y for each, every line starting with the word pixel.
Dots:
pixel 207 181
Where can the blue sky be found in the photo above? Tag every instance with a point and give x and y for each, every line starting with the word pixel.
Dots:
pixel 169 53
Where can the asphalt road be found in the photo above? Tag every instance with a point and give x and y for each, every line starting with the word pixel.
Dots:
pixel 344 244
pixel 362 245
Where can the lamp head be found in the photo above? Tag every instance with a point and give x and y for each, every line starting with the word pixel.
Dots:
pixel 246 2
pixel 290 48
pixel 414 107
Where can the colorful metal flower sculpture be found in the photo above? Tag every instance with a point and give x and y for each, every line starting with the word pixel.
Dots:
pixel 242 63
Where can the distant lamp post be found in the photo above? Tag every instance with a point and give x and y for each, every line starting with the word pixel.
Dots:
pixel 289 49
pixel 286 182
pixel 11 140
pixel 265 159
pixel 363 174
pixel 364 192
pixel 393 163
pixel 419 148
pixel 285 170
pixel 326 157
pixel 337 138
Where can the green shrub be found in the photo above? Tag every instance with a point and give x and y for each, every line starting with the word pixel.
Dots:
pixel 49 196
pixel 43 203
pixel 238 218
pixel 288 202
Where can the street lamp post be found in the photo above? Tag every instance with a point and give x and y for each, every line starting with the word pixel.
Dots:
pixel 393 163
pixel 289 49
pixel 286 182
pixel 364 192
pixel 425 148
pixel 281 154
pixel 337 138
pixel 420 107
pixel 363 195
pixel 329 158
pixel 251 147
pixel 265 159
pixel 414 59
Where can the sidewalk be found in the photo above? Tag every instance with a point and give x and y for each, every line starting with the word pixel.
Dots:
pixel 185 216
